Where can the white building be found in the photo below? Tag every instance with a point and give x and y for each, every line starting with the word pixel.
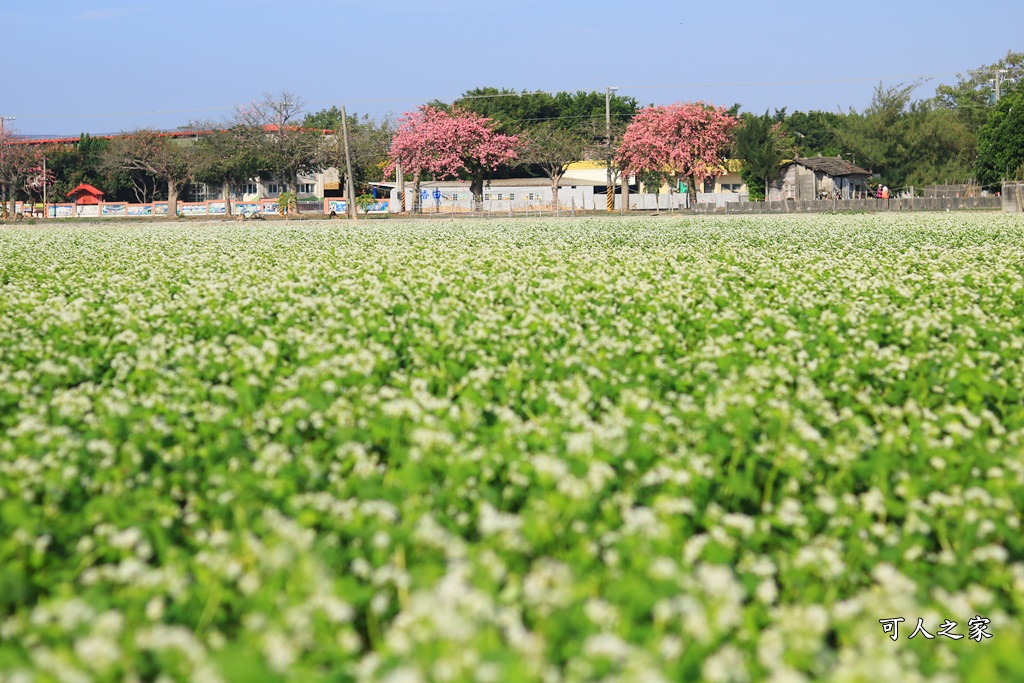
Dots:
pixel 506 195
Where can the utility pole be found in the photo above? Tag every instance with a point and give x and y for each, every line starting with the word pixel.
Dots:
pixel 282 109
pixel 3 167
pixel 400 177
pixel 350 188
pixel 999 82
pixel 608 144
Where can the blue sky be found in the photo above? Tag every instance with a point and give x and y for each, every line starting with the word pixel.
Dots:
pixel 106 66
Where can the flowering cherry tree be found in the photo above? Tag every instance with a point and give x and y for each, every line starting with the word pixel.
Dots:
pixel 684 140
pixel 448 144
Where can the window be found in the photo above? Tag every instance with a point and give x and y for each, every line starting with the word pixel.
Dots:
pixel 273 188
pixel 199 192
pixel 249 188
pixel 487 196
pixel 499 196
pixel 511 197
pixel 307 188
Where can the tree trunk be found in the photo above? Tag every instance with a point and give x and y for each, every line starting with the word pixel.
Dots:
pixel 226 192
pixel 477 188
pixel 172 197
pixel 625 192
pixel 555 178
pixel 295 184
pixel 415 194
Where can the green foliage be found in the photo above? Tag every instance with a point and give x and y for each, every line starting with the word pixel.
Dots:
pixel 763 147
pixel 327 119
pixel 365 202
pixel 908 142
pixel 973 96
pixel 81 163
pixel 624 450
pixel 286 202
pixel 877 138
pixel 813 132
pixel 369 141
pixel 232 155
pixel 1001 141
pixel 149 153
pixel 580 114
pixel 516 111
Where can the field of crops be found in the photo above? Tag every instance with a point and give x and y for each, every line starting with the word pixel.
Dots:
pixel 532 450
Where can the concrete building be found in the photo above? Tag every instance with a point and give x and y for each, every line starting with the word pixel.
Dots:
pixel 500 196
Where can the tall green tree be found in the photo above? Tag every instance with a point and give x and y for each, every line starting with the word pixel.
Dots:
pixel 941 147
pixel 1001 141
pixel 369 141
pixel 81 162
pixel 972 97
pixel 877 137
pixel 762 146
pixel 582 113
pixel 511 112
pixel 812 132
pixel 908 142
pixel 170 160
pixel 226 156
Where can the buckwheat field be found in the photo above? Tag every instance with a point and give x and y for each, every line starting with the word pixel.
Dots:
pixel 656 449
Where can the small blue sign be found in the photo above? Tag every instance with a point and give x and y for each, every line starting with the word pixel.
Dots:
pixel 424 195
pixel 437 195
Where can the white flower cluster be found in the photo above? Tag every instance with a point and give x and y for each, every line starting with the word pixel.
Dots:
pixel 554 450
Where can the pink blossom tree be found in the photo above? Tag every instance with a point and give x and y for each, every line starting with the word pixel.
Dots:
pixel 449 143
pixel 682 140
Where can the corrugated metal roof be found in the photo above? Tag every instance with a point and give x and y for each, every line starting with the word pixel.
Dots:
pixel 833 166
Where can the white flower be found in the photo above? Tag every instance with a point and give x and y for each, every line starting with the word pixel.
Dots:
pixel 766 591
pixel 98 652
pixel 606 645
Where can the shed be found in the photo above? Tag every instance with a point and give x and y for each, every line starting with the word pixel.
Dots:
pixel 85 194
pixel 820 177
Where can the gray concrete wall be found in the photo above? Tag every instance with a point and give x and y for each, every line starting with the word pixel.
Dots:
pixel 460 199
pixel 1012 200
pixel 873 205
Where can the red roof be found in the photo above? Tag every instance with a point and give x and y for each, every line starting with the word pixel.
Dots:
pixel 86 194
